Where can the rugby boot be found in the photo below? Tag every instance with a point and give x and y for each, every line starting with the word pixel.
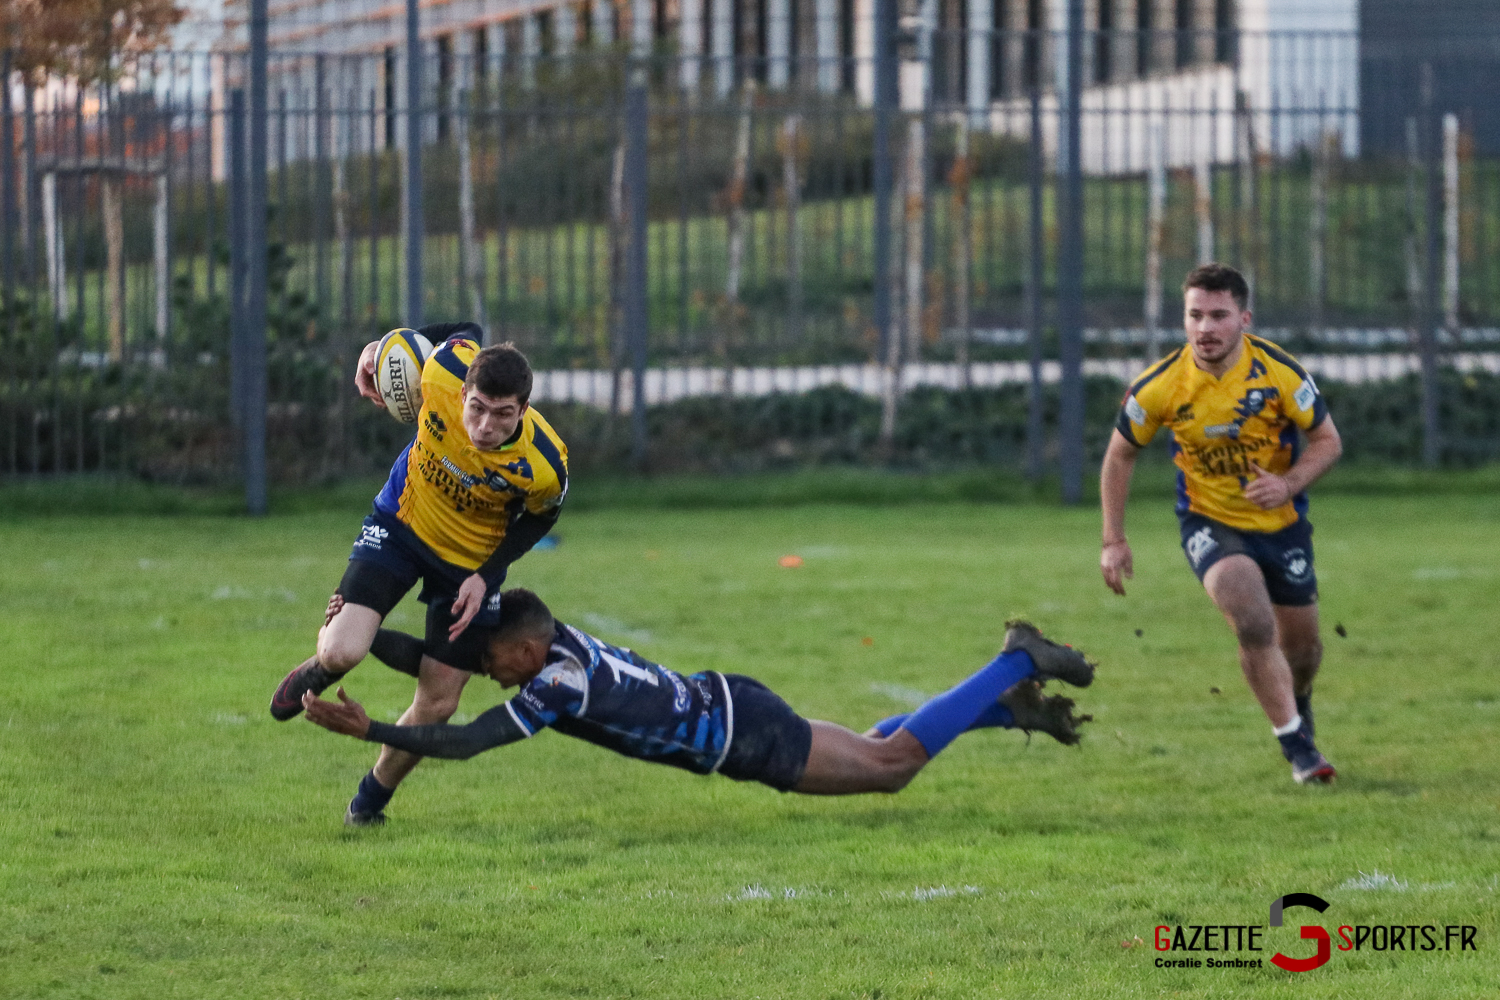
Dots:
pixel 1051 659
pixel 1052 715
pixel 1304 709
pixel 286 703
pixel 1309 766
pixel 352 818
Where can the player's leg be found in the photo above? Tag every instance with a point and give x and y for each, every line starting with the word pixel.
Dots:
pixel 369 591
pixel 843 762
pixel 1303 647
pixel 444 670
pixel 1239 591
pixel 1238 588
pixel 439 688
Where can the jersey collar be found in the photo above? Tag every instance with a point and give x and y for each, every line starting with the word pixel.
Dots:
pixel 1240 367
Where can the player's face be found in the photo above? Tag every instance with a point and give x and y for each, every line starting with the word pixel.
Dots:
pixel 1214 323
pixel 515 661
pixel 488 420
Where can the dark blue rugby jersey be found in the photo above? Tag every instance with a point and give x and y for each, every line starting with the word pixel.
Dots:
pixel 600 693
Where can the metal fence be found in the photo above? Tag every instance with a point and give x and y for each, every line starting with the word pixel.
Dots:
pixel 766 263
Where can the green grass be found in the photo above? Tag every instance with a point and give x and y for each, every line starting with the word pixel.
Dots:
pixel 160 836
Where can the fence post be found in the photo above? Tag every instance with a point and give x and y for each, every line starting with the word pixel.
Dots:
pixel 884 13
pixel 255 245
pixel 1036 178
pixel 1156 206
pixel 962 227
pixel 8 182
pixel 1070 266
pixel 1450 225
pixel 415 229
pixel 1431 317
pixel 234 156
pixel 471 254
pixel 636 125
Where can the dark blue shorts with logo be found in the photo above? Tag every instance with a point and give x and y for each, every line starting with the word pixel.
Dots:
pixel 1285 557
pixel 388 559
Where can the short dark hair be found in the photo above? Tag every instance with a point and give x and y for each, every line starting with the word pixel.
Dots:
pixel 522 616
pixel 1219 278
pixel 500 371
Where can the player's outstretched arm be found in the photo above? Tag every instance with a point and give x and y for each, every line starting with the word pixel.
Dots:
pixel 1115 559
pixel 493 728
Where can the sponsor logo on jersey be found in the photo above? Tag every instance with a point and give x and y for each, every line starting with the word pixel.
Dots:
pixel 1184 414
pixel 1306 393
pixel 1134 410
pixel 1199 544
pixel 1222 431
pixel 1257 370
pixel 370 536
pixel 493 603
pixel 435 425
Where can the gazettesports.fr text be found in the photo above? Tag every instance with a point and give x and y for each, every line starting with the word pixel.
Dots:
pixel 1361 937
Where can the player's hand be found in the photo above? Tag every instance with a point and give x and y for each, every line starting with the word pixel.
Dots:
pixel 1116 564
pixel 1267 490
pixel 348 718
pixel 364 374
pixel 335 605
pixel 470 600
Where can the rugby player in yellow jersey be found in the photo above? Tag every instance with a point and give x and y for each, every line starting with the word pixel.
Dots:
pixel 482 482
pixel 1235 405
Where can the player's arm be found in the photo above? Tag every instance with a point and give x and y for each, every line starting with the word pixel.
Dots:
pixel 496 727
pixel 1324 446
pixel 1115 561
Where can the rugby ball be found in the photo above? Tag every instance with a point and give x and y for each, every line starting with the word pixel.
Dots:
pixel 398 372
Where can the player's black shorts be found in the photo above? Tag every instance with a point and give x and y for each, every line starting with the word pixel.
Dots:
pixel 1285 557
pixel 387 561
pixel 770 742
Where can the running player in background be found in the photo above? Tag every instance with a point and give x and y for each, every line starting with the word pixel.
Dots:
pixel 1235 404
pixel 482 482
pixel 710 722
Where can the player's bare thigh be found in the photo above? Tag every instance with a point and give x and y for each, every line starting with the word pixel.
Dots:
pixel 1238 589
pixel 843 762
pixel 345 640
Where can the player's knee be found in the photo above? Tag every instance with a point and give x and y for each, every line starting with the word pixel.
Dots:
pixel 1305 657
pixel 899 764
pixel 1255 631
pixel 434 706
pixel 337 654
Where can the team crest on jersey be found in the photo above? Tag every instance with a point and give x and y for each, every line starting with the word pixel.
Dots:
pixel 1254 401
pixel 1257 370
pixel 520 467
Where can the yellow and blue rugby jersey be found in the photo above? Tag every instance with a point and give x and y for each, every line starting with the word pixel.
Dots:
pixel 456 498
pixel 1221 425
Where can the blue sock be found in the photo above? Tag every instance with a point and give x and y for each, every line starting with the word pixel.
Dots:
pixel 997 716
pixel 372 796
pixel 941 719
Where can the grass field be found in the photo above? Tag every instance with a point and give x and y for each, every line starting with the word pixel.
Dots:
pixel 160 836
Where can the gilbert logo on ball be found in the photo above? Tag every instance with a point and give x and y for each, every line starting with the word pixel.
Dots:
pixel 398 372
